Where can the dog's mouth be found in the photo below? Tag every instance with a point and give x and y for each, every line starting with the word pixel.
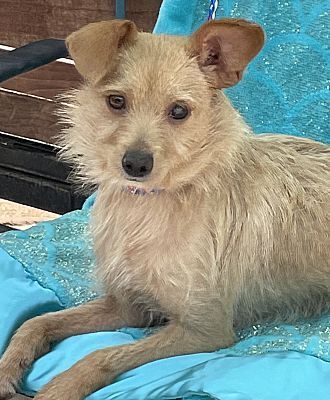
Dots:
pixel 138 191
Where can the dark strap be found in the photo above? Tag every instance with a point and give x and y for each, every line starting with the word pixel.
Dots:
pixel 5 228
pixel 31 56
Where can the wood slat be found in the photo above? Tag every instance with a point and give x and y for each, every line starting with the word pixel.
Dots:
pixel 28 116
pixel 32 117
pixel 22 21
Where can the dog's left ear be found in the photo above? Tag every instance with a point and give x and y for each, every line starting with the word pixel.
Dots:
pixel 224 48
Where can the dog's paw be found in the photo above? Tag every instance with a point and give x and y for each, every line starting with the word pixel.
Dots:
pixel 8 383
pixel 7 387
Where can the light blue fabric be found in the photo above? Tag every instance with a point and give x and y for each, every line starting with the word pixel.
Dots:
pixel 59 254
pixel 177 18
pixel 224 375
pixel 286 88
pixel 213 376
pixel 267 362
pixel 21 297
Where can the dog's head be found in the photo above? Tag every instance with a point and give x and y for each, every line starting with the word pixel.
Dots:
pixel 150 114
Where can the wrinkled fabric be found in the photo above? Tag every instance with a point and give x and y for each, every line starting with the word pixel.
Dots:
pixel 269 360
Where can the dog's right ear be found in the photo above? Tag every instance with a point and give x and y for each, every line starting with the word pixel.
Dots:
pixel 95 47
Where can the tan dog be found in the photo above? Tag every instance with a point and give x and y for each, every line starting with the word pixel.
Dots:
pixel 197 221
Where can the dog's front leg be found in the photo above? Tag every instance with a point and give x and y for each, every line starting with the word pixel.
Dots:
pixel 34 337
pixel 99 368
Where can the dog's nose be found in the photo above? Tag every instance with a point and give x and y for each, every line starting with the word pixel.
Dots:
pixel 137 163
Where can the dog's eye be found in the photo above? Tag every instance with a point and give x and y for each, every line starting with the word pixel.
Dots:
pixel 116 102
pixel 179 111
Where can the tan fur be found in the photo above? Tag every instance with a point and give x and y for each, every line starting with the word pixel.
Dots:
pixel 238 234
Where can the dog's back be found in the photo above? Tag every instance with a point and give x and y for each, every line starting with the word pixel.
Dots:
pixel 288 229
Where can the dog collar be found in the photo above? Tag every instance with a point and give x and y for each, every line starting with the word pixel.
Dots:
pixel 140 191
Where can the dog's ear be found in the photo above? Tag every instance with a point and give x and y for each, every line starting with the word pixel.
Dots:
pixel 95 47
pixel 224 48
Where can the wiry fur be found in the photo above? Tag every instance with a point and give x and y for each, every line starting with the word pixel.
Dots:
pixel 239 233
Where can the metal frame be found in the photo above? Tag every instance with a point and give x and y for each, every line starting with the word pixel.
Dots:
pixel 31 174
pixel 120 9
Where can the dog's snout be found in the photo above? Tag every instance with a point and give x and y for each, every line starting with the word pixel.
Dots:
pixel 137 163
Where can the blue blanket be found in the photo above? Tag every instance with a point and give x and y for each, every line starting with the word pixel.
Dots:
pixel 49 267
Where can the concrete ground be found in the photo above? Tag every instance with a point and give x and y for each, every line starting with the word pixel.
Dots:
pixel 20 216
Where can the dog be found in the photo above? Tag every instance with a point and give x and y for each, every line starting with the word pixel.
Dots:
pixel 198 224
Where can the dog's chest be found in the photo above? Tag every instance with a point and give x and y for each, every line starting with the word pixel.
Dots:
pixel 151 248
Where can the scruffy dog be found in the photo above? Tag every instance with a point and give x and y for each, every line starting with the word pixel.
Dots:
pixel 197 222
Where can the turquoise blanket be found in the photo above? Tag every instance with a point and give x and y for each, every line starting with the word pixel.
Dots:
pixel 49 267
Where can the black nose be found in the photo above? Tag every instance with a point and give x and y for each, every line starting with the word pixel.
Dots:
pixel 137 163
